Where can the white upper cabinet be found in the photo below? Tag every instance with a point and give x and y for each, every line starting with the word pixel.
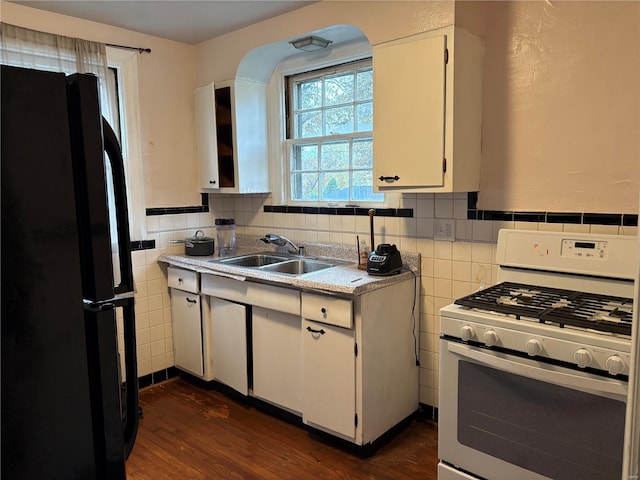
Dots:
pixel 231 136
pixel 427 94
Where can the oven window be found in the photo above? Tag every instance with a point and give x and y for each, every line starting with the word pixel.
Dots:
pixel 544 428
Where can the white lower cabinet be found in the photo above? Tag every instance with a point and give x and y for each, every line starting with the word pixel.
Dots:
pixel 187 331
pixel 359 382
pixel 277 366
pixel 229 343
pixel 190 314
pixel 347 365
pixel 329 380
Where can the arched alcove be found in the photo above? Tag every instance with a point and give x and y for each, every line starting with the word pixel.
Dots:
pixel 259 63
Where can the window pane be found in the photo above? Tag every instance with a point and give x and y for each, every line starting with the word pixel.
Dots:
pixel 338 89
pixel 335 186
pixel 364 116
pixel 363 153
pixel 362 187
pixel 364 85
pixel 305 157
pixel 304 186
pixel 339 120
pixel 334 156
pixel 330 125
pixel 309 95
pixel 309 124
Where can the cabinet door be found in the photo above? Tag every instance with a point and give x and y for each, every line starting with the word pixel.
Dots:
pixel 187 331
pixel 277 361
pixel 329 379
pixel 206 138
pixel 229 343
pixel 409 113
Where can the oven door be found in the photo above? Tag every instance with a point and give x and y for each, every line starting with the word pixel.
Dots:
pixel 506 417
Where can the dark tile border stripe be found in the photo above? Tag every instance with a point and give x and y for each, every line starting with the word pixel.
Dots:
pixel 157 377
pixel 203 208
pixel 616 219
pixel 143 245
pixel 380 212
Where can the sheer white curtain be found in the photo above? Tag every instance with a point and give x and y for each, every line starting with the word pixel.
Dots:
pixel 23 47
pixel 28 48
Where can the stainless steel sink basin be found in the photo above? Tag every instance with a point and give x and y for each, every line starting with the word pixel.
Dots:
pixel 253 260
pixel 280 263
pixel 297 267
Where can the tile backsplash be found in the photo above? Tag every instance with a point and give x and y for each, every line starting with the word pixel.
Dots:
pixel 450 269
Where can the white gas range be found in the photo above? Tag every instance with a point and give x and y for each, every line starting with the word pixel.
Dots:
pixel 533 371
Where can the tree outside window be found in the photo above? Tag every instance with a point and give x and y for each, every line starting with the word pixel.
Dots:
pixel 331 125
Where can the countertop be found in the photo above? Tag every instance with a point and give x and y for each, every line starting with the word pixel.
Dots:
pixel 341 279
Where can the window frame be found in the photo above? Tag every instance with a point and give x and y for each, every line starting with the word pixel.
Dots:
pixel 126 64
pixel 277 112
pixel 292 142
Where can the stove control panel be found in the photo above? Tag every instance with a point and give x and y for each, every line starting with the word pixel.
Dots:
pixel 603 353
pixel 596 250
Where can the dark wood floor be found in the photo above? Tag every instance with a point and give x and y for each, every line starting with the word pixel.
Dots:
pixel 190 431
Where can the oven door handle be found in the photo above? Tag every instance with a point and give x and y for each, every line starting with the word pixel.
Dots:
pixel 580 382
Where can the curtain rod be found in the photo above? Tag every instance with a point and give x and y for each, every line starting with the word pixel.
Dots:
pixel 140 49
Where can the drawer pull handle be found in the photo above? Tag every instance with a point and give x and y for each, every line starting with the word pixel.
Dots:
pixel 321 331
pixel 179 280
pixel 389 179
pixel 191 301
pixel 324 311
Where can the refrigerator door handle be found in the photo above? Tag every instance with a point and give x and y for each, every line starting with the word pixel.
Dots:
pixel 112 149
pixel 132 411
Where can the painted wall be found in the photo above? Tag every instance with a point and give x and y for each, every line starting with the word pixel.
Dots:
pixel 166 105
pixel 218 59
pixel 561 124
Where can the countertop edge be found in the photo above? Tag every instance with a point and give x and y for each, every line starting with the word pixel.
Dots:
pixel 345 280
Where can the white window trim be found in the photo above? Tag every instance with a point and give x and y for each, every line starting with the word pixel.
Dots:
pixel 279 151
pixel 126 61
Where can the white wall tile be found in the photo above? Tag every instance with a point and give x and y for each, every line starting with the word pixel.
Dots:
pixel 575 228
pixel 425 206
pixel 482 231
pixel 604 229
pixel 550 227
pixel 443 207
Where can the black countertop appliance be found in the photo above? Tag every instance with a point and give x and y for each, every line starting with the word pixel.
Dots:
pixel 385 260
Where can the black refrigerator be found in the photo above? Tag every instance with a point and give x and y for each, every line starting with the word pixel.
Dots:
pixel 67 412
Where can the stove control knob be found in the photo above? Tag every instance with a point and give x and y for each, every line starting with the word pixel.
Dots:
pixel 583 358
pixel 490 338
pixel 534 347
pixel 467 333
pixel 615 365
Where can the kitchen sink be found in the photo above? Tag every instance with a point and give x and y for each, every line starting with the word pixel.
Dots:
pixel 256 260
pixel 297 267
pixel 285 264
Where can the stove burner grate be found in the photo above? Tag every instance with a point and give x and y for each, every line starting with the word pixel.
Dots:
pixel 551 305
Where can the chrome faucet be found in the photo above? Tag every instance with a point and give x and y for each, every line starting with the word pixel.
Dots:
pixel 281 241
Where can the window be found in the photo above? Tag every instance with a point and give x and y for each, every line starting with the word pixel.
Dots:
pixel 330 135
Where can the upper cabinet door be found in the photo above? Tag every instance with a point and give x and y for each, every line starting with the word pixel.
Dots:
pixel 231 133
pixel 427 125
pixel 206 138
pixel 409 109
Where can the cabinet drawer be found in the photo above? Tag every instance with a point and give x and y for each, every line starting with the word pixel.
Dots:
pixel 268 296
pixel 325 309
pixel 186 280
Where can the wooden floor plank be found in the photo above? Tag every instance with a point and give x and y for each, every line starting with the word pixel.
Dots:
pixel 190 431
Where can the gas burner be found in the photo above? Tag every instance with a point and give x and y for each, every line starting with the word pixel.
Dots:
pixel 555 306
